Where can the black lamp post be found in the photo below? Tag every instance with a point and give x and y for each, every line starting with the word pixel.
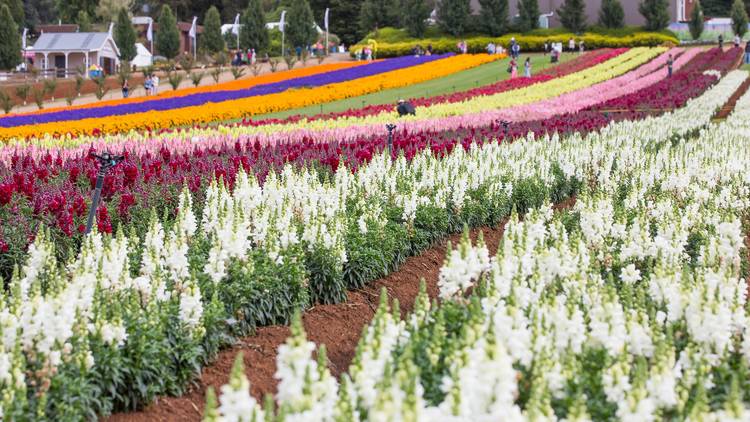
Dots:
pixel 107 161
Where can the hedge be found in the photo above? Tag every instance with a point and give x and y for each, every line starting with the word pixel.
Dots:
pixel 528 42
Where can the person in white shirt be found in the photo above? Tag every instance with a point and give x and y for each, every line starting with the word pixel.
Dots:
pixel 155 84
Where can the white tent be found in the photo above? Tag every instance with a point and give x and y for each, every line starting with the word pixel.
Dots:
pixel 144 57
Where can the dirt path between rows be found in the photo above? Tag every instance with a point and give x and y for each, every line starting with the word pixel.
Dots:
pixel 337 326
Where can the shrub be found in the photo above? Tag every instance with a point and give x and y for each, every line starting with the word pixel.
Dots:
pixel 50 85
pixel 175 79
pixel 618 38
pixel 196 78
pixel 6 101
pixel 38 96
pixel 238 72
pixel 22 92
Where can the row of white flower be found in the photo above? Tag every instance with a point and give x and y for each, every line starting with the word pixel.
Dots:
pixel 55 310
pixel 647 274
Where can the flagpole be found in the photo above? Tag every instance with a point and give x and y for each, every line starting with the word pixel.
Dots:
pixel 326 46
pixel 283 32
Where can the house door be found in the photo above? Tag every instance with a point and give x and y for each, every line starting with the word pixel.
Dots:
pixel 60 66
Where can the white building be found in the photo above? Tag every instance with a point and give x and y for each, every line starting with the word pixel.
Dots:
pixel 73 50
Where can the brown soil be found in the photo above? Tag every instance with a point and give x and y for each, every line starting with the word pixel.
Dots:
pixel 337 326
pixel 728 108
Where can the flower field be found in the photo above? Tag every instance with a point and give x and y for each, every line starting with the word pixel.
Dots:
pixel 628 305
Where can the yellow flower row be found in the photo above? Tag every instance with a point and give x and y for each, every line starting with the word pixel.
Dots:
pixel 251 106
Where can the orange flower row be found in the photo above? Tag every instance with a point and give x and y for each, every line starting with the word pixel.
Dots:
pixel 224 86
pixel 251 106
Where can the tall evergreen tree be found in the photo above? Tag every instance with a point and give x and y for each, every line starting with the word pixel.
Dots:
pixel 125 36
pixel 528 12
pixel 611 15
pixel 696 21
pixel 68 9
pixel 230 9
pixel 300 29
pixel 573 15
pixel 16 10
pixel 739 18
pixel 414 15
pixel 83 21
pixel 453 16
pixel 253 32
pixel 378 14
pixel 10 40
pixel 495 16
pixel 344 14
pixel 168 35
pixel 656 13
pixel 211 38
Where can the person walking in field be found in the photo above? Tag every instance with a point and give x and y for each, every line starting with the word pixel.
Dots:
pixel 527 67
pixel 148 85
pixel 747 52
pixel 155 85
pixel 581 47
pixel 125 88
pixel 405 108
pixel 513 68
pixel 572 45
pixel 737 41
pixel 721 41
pixel 670 64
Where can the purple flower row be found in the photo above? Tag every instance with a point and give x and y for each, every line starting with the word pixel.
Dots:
pixel 197 99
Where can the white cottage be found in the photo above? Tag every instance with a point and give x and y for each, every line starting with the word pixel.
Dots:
pixel 73 50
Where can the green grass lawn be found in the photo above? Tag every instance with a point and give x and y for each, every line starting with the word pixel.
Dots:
pixel 461 81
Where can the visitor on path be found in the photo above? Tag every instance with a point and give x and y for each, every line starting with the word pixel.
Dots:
pixel 747 52
pixel 513 68
pixel 670 64
pixel 491 48
pixel 527 67
pixel 405 108
pixel 546 47
pixel 429 49
pixel 737 41
pixel 515 50
pixel 125 88
pixel 721 41
pixel 572 45
pixel 155 85
pixel 554 56
pixel 581 47
pixel 238 58
pixel 253 57
pixel 148 85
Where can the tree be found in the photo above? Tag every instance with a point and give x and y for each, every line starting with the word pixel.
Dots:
pixel 414 15
pixel 453 16
pixel 10 40
pixel 611 15
pixel 68 9
pixel 528 12
pixel 108 10
pixel 573 15
pixel 125 36
pixel 212 39
pixel 253 32
pixel 230 9
pixel 16 10
pixel 300 29
pixel 343 14
pixel 168 36
pixel 378 14
pixel 739 18
pixel 83 21
pixel 495 16
pixel 696 21
pixel 656 13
